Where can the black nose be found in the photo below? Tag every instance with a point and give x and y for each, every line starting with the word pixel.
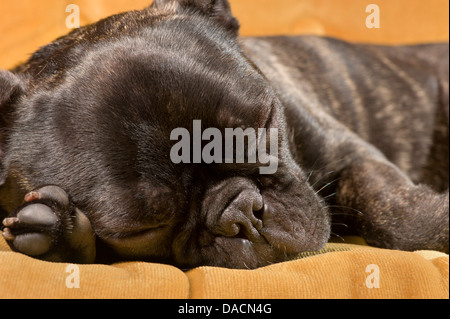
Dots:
pixel 240 218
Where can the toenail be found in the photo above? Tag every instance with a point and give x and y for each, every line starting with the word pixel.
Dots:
pixel 31 196
pixel 7 234
pixel 10 221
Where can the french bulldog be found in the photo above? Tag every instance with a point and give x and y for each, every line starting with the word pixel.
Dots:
pixel 86 125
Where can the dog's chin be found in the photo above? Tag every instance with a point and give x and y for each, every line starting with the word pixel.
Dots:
pixel 273 245
pixel 242 253
pixel 239 253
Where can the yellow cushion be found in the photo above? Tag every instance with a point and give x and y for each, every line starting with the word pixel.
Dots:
pixel 338 274
pixel 25 277
pixel 338 271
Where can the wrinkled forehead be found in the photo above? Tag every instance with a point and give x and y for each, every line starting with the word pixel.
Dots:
pixel 178 79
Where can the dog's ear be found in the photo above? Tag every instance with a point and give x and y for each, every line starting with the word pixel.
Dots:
pixel 12 87
pixel 218 10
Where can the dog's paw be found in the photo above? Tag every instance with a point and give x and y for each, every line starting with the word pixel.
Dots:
pixel 33 231
pixel 49 227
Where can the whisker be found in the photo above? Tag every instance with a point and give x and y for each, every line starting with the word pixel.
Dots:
pixel 340 213
pixel 345 207
pixel 320 179
pixel 329 196
pixel 340 224
pixel 309 176
pixel 336 235
pixel 329 184
pixel 312 169
pixel 328 164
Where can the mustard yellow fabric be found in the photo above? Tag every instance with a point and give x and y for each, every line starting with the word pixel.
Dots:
pixel 339 274
pixel 25 277
pixel 338 271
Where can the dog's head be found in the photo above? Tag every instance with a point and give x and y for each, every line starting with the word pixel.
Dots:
pixel 94 112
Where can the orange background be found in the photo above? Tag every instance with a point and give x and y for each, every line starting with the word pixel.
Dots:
pixel 27 24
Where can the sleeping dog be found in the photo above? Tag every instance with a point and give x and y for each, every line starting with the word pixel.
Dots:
pixel 87 143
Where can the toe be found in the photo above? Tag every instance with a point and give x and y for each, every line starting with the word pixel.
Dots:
pixel 37 214
pixel 31 196
pixel 54 193
pixel 33 244
pixel 10 221
pixel 8 235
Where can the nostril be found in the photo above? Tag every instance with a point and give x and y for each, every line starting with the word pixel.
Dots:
pixel 242 217
pixel 234 224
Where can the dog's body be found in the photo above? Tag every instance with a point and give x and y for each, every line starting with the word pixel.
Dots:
pixel 362 129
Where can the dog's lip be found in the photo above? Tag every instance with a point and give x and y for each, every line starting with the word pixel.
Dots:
pixel 253 235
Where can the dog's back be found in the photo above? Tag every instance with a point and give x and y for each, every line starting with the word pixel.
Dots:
pixel 395 97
